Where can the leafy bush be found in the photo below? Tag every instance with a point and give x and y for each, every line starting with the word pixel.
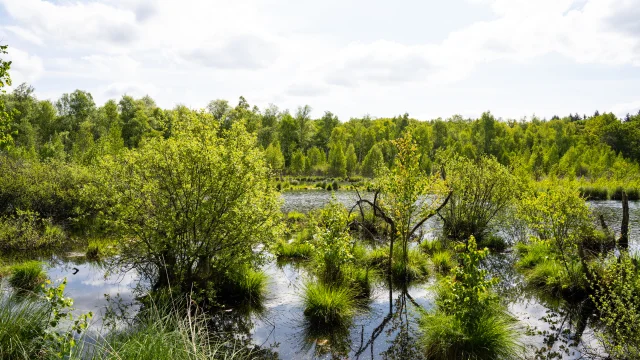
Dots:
pixel 482 190
pixel 194 205
pixel 25 230
pixel 617 299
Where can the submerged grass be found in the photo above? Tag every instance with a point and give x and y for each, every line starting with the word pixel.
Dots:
pixel 27 276
pixel 327 305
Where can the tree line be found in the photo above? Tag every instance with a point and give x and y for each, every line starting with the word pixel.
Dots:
pixel 73 128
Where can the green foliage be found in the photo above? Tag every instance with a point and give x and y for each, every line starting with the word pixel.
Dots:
pixel 373 162
pixel 52 189
pixel 26 231
pixel 469 321
pixel 193 205
pixel 481 191
pixel 408 196
pixel 293 250
pixel 170 332
pixel 558 214
pixel 328 305
pixel 337 162
pixel 274 157
pixel 27 276
pixel 443 261
pixel 333 242
pixel 617 299
pixel 40 326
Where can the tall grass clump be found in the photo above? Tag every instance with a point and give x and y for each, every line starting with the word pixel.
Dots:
pixel 22 324
pixel 243 285
pixel 327 305
pixel 443 261
pixel 469 321
pixel 293 250
pixel 170 332
pixel 27 276
pixel 32 327
pixel 414 267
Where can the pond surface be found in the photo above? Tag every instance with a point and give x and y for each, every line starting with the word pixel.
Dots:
pixel 386 327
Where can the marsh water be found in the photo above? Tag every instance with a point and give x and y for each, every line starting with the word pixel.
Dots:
pixel 386 327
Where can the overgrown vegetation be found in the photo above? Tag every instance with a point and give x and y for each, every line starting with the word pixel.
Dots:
pixel 469 321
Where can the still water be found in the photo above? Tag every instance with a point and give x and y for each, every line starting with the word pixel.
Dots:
pixel 384 328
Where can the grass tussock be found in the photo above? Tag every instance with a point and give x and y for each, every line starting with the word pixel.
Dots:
pixel 443 262
pixel 415 268
pixel 27 276
pixel 492 337
pixel 293 250
pixel 327 305
pixel 171 333
pixel 22 324
pixel 245 286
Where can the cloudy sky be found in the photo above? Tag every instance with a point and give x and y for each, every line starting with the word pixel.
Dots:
pixel 430 58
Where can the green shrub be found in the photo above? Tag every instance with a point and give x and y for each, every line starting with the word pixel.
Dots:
pixel 335 185
pixel 27 276
pixel 617 300
pixel 327 305
pixel 25 230
pixel 295 216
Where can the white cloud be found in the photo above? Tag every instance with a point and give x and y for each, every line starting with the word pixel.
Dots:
pixel 193 50
pixel 24 67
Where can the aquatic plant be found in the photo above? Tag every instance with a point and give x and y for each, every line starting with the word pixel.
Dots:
pixel 443 261
pixel 469 321
pixel 27 276
pixel 327 305
pixel 170 331
pixel 293 250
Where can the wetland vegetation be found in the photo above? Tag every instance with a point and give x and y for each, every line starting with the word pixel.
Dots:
pixel 240 233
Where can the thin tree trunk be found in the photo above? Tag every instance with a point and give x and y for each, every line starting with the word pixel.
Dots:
pixel 624 228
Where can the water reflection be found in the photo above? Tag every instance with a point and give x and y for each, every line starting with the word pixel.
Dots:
pixel 386 329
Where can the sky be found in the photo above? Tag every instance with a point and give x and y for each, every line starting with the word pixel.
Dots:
pixel 428 58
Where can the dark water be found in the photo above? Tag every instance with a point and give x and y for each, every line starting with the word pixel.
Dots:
pixel 386 327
